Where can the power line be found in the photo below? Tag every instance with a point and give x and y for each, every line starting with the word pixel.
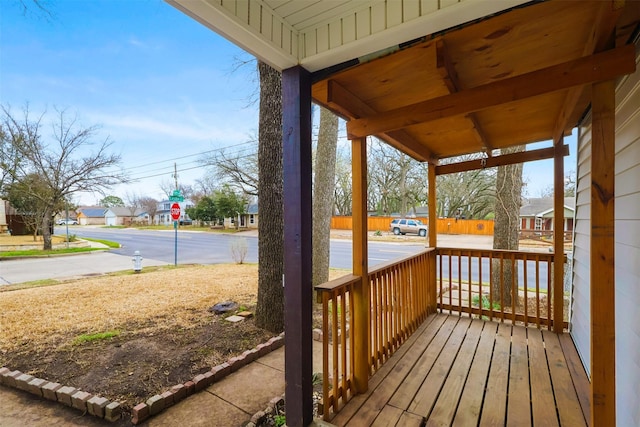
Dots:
pixel 176 170
pixel 183 166
pixel 191 155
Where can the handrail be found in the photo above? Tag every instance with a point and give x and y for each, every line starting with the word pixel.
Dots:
pixel 399 302
pixel 402 292
pixel 472 281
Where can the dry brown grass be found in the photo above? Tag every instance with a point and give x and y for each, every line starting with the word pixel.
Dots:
pixel 6 239
pixel 161 299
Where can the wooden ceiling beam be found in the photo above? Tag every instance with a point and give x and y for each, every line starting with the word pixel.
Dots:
pixel 598 67
pixel 448 72
pixel 337 95
pixel 603 30
pixel 505 159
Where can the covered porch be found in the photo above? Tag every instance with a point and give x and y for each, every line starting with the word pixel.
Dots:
pixel 415 339
pixel 455 370
pixel 446 347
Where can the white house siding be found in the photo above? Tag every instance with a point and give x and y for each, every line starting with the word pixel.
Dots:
pixel 627 248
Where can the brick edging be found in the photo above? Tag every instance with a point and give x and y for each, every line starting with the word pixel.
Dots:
pixel 55 392
pixel 158 403
pixel 260 416
pixel 112 411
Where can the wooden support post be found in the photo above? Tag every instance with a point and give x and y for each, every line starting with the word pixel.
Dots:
pixel 558 238
pixel 433 219
pixel 433 233
pixel 296 124
pixel 361 301
pixel 603 342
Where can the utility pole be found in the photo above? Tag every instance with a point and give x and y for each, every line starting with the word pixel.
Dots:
pixel 175 174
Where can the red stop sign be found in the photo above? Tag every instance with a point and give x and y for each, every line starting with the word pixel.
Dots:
pixel 175 211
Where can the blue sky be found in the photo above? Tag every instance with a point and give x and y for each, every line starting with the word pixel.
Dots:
pixel 160 85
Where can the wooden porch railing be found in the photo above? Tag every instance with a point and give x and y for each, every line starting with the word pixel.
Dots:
pixel 403 292
pixel 400 300
pixel 465 278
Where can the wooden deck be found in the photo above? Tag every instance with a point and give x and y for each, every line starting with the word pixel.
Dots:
pixel 463 372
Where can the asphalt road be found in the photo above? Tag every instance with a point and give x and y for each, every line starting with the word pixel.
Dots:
pixel 157 248
pixel 213 248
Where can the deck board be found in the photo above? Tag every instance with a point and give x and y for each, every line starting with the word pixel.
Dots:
pixel 541 391
pixel 404 395
pixel 578 374
pixel 410 420
pixel 469 372
pixel 389 416
pixel 391 375
pixel 426 396
pixel 495 406
pixel 568 405
pixel 470 405
pixel 445 408
pixel 518 404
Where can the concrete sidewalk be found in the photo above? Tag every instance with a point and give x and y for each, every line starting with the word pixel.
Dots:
pixel 65 266
pixel 229 402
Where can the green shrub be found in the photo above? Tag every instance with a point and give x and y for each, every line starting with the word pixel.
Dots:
pixel 485 302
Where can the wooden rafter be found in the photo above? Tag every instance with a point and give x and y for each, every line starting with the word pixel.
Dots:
pixel 603 31
pixel 447 70
pixel 598 67
pixel 337 95
pixel 505 159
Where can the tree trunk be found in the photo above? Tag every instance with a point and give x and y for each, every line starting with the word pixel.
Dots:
pixel 505 236
pixel 270 307
pixel 404 169
pixel 46 230
pixel 323 194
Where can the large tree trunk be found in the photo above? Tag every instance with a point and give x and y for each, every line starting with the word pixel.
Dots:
pixel 323 194
pixel 505 236
pixel 270 307
pixel 46 231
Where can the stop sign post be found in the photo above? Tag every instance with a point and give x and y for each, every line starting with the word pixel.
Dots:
pixel 175 216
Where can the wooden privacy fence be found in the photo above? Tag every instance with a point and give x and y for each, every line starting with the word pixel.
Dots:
pixel 445 225
pixel 400 300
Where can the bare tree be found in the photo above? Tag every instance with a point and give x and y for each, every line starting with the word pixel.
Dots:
pixel 150 205
pixel 65 165
pixel 390 179
pixel 342 189
pixel 133 204
pixel 167 186
pixel 240 170
pixel 507 210
pixel 206 185
pixel 323 194
pixel 38 8
pixel 466 194
pixel 31 197
pixel 569 186
pixel 270 306
pixel 10 159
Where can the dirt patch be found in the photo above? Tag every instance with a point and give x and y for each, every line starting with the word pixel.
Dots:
pixel 164 333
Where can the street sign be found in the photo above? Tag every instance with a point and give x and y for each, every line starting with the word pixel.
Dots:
pixel 175 211
pixel 176 196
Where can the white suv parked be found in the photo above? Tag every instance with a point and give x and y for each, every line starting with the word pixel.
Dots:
pixel 404 226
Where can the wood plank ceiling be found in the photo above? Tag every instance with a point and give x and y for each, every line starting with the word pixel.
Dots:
pixel 519 77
